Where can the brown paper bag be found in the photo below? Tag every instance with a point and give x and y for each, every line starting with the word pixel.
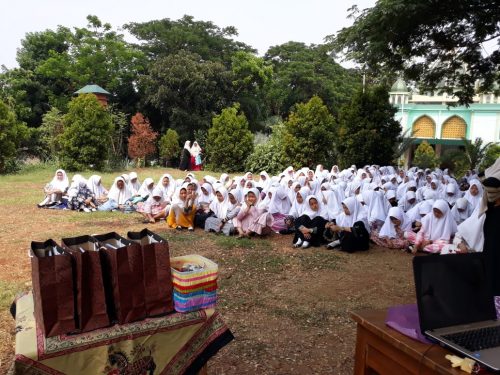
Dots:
pixel 157 272
pixel 91 296
pixel 53 293
pixel 122 261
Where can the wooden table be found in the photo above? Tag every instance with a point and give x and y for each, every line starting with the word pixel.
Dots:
pixel 382 350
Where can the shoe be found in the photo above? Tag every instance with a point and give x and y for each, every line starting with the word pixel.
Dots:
pixel 178 227
pixel 85 209
pixel 305 245
pixel 191 229
pixel 298 243
pixel 333 244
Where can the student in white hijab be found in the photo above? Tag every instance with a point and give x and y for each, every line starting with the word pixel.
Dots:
pixel 225 207
pixel 392 233
pixel 95 185
pixel 55 189
pixel 134 184
pixel 167 185
pixel 408 201
pixel 475 193
pixel 264 182
pixel 351 228
pixel 118 195
pixel 310 225
pixel 438 228
pixel 377 209
pixel 462 210
pixel 154 207
pixel 332 205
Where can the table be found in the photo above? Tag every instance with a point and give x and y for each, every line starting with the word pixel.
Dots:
pixel 382 350
pixel 173 344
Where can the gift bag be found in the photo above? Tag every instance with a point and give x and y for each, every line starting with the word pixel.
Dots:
pixel 123 274
pixel 91 308
pixel 53 293
pixel 157 273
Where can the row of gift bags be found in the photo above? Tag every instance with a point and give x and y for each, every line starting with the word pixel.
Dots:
pixel 90 282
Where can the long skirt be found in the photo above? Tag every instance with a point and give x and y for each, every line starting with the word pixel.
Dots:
pixel 213 224
pixel 177 217
pixel 351 241
pixel 317 237
pixel 417 238
pixel 279 222
pixel 262 225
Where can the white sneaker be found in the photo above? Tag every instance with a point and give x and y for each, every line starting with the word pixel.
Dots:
pixel 305 245
pixel 85 209
pixel 333 244
pixel 298 243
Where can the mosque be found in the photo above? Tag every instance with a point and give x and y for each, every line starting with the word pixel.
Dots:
pixel 430 117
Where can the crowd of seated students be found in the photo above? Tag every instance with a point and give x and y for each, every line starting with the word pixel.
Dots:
pixel 411 210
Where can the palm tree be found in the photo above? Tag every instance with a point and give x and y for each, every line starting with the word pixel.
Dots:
pixel 475 151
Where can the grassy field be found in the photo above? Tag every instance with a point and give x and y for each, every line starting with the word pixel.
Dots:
pixel 288 308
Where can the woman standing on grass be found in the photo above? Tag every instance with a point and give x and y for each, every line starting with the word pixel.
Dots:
pixel 185 157
pixel 196 159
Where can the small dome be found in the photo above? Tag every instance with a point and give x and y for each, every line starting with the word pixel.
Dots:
pixel 399 86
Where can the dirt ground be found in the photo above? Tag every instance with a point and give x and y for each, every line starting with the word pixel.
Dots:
pixel 288 309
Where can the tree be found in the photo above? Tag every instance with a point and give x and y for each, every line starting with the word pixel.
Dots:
pixel 187 91
pixel 88 129
pixel 169 146
pixel 160 38
pixel 475 152
pixel 491 155
pixel 229 141
pixel 430 42
pixel 368 133
pixel 51 129
pixel 309 134
pixel 142 142
pixel 425 157
pixel 269 156
pixel 302 71
pixel 12 133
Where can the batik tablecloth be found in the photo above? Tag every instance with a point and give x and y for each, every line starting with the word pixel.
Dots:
pixel 173 344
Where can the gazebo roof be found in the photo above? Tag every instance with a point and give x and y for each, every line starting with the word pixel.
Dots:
pixel 92 89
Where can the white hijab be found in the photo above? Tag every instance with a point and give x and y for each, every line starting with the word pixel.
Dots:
pixel 475 201
pixel 206 198
pixel 169 190
pixel 464 205
pixel 308 211
pixel 356 213
pixel 220 208
pixel 95 185
pixel 442 228
pixel 298 209
pixel 388 229
pixel 378 207
pixel 134 186
pixel 471 230
pixel 57 184
pixel 120 196
pixel 144 190
pixel 332 205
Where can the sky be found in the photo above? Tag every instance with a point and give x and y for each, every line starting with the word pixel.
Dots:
pixel 260 23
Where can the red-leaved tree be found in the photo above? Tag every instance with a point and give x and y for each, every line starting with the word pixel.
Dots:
pixel 142 142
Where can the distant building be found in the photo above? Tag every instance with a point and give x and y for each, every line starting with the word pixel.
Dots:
pixel 430 118
pixel 101 94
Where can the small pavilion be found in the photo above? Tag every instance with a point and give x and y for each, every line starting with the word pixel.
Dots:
pixel 101 94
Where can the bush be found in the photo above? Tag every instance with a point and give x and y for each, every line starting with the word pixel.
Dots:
pixel 50 133
pixel 169 146
pixel 229 141
pixel 87 135
pixel 309 134
pixel 269 156
pixel 491 155
pixel 12 133
pixel 425 157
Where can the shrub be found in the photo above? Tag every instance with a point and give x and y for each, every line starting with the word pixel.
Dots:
pixel 169 146
pixel 12 133
pixel 229 141
pixel 86 139
pixel 425 157
pixel 491 155
pixel 269 156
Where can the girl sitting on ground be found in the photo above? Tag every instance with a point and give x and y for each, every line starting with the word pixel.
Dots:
pixel 84 200
pixel 183 209
pixel 392 233
pixel 310 226
pixel 118 196
pixel 154 207
pixel 95 185
pixel 225 207
pixel 55 189
pixel 252 220
pixel 438 229
pixel 351 228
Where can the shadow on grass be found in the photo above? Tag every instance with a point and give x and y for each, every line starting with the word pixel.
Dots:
pixel 8 291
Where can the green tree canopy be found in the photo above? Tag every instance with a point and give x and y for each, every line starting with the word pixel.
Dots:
pixel 431 42
pixel 229 141
pixel 160 38
pixel 368 133
pixel 12 133
pixel 88 130
pixel 425 157
pixel 302 71
pixel 169 146
pixel 187 91
pixel 309 133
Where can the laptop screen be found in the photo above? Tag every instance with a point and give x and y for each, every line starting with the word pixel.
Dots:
pixel 452 290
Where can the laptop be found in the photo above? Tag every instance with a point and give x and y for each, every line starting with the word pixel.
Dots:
pixel 456 305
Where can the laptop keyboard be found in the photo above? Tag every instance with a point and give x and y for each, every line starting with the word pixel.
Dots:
pixel 479 339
